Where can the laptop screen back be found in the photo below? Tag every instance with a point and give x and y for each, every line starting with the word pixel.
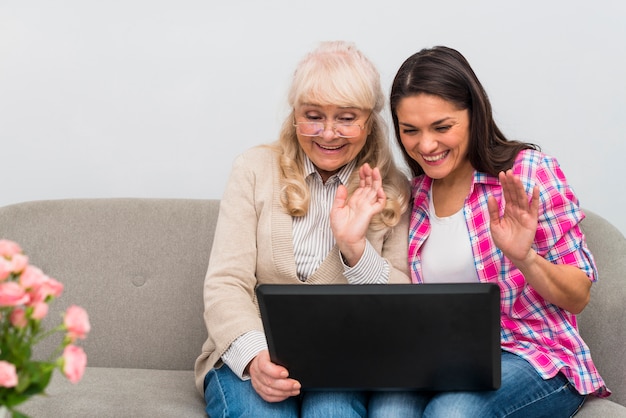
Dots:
pixel 385 337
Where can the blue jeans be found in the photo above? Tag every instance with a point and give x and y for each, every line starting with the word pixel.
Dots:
pixel 523 393
pixel 226 395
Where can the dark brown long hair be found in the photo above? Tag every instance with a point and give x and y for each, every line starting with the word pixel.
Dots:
pixel 444 72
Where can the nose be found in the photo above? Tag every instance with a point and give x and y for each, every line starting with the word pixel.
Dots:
pixel 426 144
pixel 329 131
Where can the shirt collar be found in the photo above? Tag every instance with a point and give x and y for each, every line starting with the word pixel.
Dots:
pixel 421 185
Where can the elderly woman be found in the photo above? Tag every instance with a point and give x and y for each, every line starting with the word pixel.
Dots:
pixel 324 204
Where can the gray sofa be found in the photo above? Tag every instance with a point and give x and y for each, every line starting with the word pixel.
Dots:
pixel 137 266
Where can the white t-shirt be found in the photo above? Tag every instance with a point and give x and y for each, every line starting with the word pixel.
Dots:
pixel 447 252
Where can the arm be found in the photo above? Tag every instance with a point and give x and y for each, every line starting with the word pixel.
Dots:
pixel 369 256
pixel 230 313
pixel 564 285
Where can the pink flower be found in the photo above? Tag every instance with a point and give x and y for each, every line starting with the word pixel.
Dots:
pixel 9 248
pixel 12 294
pixel 40 310
pixel 19 262
pixel 8 374
pixel 40 286
pixel 6 268
pixel 76 322
pixel 32 278
pixel 49 288
pixel 74 363
pixel 18 318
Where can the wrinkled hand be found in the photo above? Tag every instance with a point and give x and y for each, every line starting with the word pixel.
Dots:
pixel 350 218
pixel 270 380
pixel 514 232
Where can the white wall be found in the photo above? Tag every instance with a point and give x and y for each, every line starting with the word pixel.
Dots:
pixel 155 98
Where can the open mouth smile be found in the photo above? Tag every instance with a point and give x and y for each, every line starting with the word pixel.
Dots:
pixel 329 148
pixel 435 158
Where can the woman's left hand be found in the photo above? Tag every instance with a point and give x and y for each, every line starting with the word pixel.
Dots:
pixel 563 285
pixel 514 231
pixel 350 218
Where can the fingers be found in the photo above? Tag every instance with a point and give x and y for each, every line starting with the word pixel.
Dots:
pixel 377 180
pixel 534 203
pixel 370 184
pixel 365 176
pixel 514 193
pixel 494 210
pixel 370 177
pixel 341 197
pixel 271 381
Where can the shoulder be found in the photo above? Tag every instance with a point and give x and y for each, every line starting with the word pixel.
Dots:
pixel 535 166
pixel 533 160
pixel 257 159
pixel 555 192
pixel 259 152
pixel 253 168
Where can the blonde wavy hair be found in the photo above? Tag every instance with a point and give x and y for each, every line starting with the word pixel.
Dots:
pixel 337 73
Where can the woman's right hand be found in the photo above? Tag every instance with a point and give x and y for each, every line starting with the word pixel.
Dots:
pixel 270 380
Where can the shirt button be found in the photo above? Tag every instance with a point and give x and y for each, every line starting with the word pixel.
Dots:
pixel 479 267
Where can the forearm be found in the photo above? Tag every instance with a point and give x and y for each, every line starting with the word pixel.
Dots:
pixel 563 285
pixel 370 269
pixel 242 351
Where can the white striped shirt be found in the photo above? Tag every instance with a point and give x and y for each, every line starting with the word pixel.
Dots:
pixel 312 241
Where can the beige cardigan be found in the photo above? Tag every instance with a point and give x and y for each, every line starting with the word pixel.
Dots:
pixel 253 245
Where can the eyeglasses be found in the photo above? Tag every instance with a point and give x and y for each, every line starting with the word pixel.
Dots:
pixel 342 130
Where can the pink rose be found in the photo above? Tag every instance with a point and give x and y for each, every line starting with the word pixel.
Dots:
pixel 6 268
pixel 9 248
pixel 32 278
pixel 12 294
pixel 40 310
pixel 74 363
pixel 76 322
pixel 40 286
pixel 8 374
pixel 19 262
pixel 18 318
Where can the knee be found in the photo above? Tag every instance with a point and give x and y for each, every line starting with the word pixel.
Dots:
pixel 456 405
pixel 397 404
pixel 334 404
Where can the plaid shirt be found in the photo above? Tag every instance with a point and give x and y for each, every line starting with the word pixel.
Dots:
pixel 542 333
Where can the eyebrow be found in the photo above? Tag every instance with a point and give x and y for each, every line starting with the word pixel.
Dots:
pixel 339 107
pixel 437 122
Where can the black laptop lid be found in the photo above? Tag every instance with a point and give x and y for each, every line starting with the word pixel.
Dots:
pixel 384 337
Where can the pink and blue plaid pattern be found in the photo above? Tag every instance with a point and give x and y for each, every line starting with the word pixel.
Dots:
pixel 543 334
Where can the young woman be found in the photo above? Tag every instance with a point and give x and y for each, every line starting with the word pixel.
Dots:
pixel 487 209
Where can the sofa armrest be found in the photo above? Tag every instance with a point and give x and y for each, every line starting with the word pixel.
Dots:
pixel 603 322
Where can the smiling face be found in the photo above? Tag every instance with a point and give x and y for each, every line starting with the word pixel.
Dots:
pixel 435 133
pixel 328 151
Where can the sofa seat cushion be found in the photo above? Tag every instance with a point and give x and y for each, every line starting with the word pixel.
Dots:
pixel 601 408
pixel 118 392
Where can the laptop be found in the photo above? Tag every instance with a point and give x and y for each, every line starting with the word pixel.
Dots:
pixel 434 337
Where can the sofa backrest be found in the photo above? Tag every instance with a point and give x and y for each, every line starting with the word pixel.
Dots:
pixel 136 265
pixel 602 323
